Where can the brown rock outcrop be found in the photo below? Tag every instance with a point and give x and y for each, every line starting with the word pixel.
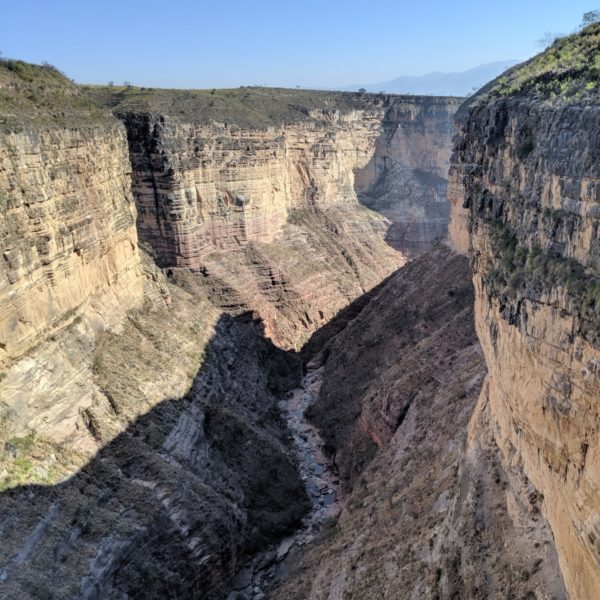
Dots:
pixel 68 238
pixel 268 217
pixel 268 211
pixel 181 487
pixel 69 260
pixel 127 402
pixel 201 187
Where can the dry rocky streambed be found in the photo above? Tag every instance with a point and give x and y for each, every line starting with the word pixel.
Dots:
pixel 322 485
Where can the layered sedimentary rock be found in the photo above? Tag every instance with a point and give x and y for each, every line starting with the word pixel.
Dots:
pixel 69 260
pixel 267 216
pixel 201 188
pixel 264 205
pixel 211 174
pixel 182 487
pixel 142 451
pixel 524 177
pixel 406 179
pixel 68 236
pixel 103 360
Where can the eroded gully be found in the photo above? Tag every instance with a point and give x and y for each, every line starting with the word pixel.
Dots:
pixel 322 485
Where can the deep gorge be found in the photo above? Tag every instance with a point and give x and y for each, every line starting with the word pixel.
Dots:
pixel 251 235
pixel 174 262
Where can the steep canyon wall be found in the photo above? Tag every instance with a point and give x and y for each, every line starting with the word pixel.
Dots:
pixel 103 361
pixel 68 231
pixel 220 185
pixel 406 179
pixel 262 200
pixel 519 516
pixel 525 190
pixel 430 510
pixel 201 188
pixel 69 249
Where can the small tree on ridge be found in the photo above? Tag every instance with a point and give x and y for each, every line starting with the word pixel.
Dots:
pixel 590 17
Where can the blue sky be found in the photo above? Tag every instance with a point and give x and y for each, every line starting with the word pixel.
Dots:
pixel 227 43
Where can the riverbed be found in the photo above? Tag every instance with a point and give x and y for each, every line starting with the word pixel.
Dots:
pixel 322 486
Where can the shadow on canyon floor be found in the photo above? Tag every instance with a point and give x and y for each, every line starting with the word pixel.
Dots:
pixel 171 506
pixel 431 509
pixel 387 349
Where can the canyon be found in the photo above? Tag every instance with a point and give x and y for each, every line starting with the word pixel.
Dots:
pixel 268 343
pixel 525 172
pixel 517 515
pixel 162 261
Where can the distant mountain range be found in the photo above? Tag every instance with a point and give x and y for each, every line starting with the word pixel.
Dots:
pixel 438 83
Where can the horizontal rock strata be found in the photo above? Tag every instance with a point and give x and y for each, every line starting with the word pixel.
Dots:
pixel 406 179
pixel 67 235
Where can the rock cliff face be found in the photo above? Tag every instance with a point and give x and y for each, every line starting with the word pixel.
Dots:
pixel 268 217
pixel 406 179
pixel 104 359
pixel 201 187
pixel 68 236
pixel 69 265
pixel 218 171
pixel 525 190
pixel 142 449
pixel 265 207
pixel 181 489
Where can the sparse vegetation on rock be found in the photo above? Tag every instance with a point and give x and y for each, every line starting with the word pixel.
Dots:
pixel 568 71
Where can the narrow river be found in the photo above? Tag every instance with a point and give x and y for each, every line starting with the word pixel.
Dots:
pixel 322 486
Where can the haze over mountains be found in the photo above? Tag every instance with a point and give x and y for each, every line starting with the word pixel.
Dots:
pixel 440 84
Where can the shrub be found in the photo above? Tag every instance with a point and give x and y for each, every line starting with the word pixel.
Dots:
pixel 590 17
pixel 564 70
pixel 517 269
